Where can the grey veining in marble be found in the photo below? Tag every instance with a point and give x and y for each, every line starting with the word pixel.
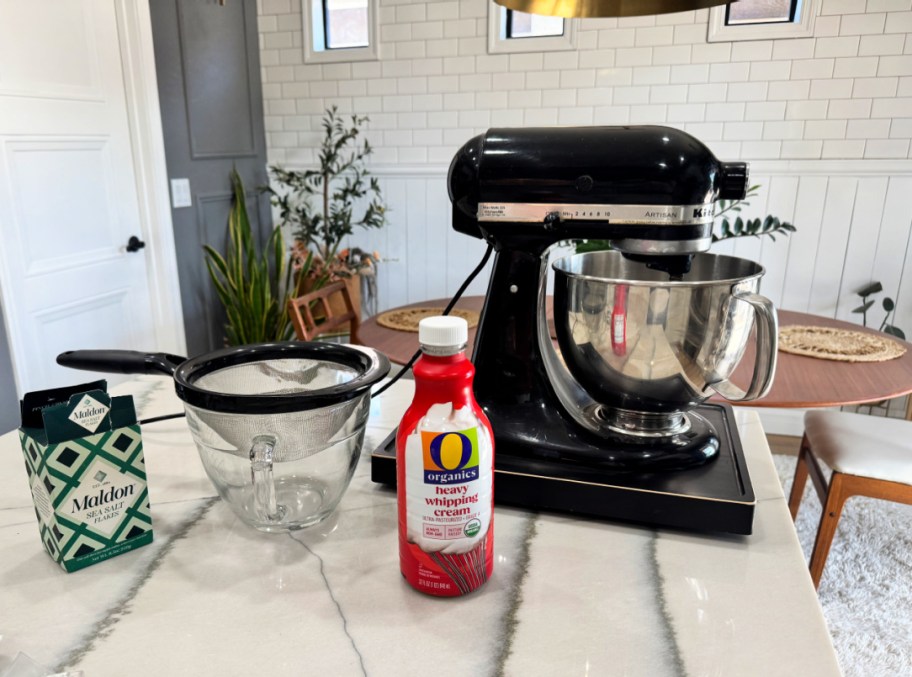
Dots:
pixel 569 596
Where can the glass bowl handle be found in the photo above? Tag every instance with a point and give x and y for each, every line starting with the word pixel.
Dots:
pixel 261 475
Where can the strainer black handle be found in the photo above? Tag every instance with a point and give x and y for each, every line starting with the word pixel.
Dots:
pixel 120 361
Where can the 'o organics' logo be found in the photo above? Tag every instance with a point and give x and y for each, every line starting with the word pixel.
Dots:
pixel 450 457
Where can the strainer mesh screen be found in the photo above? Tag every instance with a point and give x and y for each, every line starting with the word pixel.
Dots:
pixel 283 376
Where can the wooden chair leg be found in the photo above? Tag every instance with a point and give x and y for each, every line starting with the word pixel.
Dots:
pixel 832 509
pixel 800 480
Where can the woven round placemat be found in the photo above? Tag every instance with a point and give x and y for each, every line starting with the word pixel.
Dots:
pixel 408 319
pixel 838 344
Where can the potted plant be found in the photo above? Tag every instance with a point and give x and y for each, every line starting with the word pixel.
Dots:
pixel 319 207
pixel 254 287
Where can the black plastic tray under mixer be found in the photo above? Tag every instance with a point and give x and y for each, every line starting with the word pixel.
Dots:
pixel 715 497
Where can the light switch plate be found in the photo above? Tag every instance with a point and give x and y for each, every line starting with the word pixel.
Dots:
pixel 180 193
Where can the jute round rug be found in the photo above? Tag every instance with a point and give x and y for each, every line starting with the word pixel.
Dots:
pixel 866 589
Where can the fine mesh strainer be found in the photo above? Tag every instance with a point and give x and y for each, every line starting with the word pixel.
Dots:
pixel 279 426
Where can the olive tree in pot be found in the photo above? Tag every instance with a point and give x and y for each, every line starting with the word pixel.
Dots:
pixel 319 207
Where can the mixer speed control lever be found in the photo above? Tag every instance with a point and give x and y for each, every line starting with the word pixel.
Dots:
pixel 552 220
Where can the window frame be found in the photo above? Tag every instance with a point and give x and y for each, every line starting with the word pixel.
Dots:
pixel 803 27
pixel 312 9
pixel 550 43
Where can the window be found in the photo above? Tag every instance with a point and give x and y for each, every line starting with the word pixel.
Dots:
pixel 512 31
pixel 762 20
pixel 340 30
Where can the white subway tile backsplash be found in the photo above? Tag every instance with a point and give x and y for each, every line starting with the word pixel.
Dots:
pixel 889 5
pixel 654 36
pixel 690 73
pixel 541 117
pixel 848 149
pixel 849 109
pixel 831 89
pixel 874 45
pixel 842 7
pixel 565 60
pixel 806 110
pixel 579 115
pixel 761 150
pixel 785 130
pixel 617 37
pixel 443 83
pixel 672 94
pixel 532 61
pixel 895 65
pixel 748 91
pixel 443 10
pixel 729 72
pixel 633 56
pixel 577 78
pixel 898 107
pixel 744 131
pixel 841 46
pixel 798 48
pixel 771 70
pixel 898 22
pixel 868 24
pixel 812 69
pixel 825 129
pixel 611 115
pixel 652 75
pixel 752 50
pixel 631 95
pixel 686 112
pixel 790 89
pixel 711 52
pixel 764 110
pixel 708 93
pixel 597 96
pixel 592 58
pixel 724 112
pixel 528 98
pixel 801 150
pixel 868 129
pixel 558 98
pixel 845 93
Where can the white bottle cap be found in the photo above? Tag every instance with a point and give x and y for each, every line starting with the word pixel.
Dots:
pixel 443 334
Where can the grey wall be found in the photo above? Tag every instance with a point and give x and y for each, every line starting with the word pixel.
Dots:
pixel 9 401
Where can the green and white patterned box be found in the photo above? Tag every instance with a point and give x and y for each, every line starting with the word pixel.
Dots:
pixel 84 457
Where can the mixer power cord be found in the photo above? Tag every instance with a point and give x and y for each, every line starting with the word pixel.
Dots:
pixel 411 362
pixel 446 311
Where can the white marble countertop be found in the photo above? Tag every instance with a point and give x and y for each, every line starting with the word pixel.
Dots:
pixel 211 596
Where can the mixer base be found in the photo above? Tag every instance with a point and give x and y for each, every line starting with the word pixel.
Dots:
pixel 715 497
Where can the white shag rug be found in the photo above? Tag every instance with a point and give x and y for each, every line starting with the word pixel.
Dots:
pixel 866 589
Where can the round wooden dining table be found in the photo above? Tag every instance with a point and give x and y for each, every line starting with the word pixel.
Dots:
pixel 800 382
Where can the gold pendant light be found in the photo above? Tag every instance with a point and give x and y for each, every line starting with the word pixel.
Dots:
pixel 606 8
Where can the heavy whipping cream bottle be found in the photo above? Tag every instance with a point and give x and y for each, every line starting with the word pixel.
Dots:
pixel 445 470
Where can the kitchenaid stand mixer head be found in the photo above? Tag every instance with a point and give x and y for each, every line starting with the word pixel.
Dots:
pixel 650 191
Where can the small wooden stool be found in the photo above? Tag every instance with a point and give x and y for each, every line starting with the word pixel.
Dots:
pixel 869 456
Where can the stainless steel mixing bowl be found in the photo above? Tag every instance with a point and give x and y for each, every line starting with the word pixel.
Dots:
pixel 649 346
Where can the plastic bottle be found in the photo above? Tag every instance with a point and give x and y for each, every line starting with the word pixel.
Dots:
pixel 445 470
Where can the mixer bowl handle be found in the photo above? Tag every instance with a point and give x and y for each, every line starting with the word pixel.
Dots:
pixel 765 360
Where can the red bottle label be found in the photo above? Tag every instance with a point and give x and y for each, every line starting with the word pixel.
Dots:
pixel 445 484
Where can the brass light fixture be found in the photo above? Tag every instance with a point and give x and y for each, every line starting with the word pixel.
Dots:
pixel 606 8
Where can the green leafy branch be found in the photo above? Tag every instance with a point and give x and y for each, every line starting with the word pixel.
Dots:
pixel 770 226
pixel 318 204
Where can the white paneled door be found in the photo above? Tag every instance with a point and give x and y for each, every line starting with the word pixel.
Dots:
pixel 69 200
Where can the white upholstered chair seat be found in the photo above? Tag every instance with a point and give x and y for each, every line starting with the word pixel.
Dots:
pixel 866 446
pixel 869 456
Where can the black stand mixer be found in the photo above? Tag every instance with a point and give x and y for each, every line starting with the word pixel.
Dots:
pixel 614 425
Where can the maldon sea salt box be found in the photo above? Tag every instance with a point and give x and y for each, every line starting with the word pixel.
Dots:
pixel 84 457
